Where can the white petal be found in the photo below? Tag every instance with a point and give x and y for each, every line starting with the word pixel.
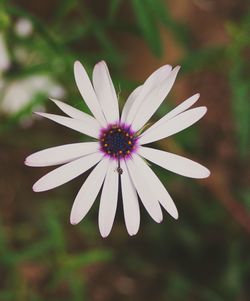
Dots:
pixel 157 187
pixel 131 207
pixel 154 100
pixel 108 201
pixel 88 192
pixel 174 163
pixel 186 104
pixel 129 103
pixel 86 89
pixel 105 92
pixel 147 196
pixel 152 81
pixel 66 173
pixel 73 112
pixel 174 125
pixel 61 154
pixel 88 127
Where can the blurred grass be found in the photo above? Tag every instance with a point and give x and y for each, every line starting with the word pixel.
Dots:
pixel 50 251
pixel 239 80
pixel 203 256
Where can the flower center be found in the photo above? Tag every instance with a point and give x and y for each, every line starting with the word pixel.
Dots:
pixel 118 141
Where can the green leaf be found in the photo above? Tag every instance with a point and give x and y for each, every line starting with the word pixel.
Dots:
pixel 180 31
pixel 4 19
pixel 64 7
pixel 240 82
pixel 113 8
pixel 147 25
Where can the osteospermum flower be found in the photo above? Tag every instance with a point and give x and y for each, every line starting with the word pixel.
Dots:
pixel 118 152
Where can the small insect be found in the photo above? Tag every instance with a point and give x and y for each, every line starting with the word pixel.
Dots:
pixel 119 170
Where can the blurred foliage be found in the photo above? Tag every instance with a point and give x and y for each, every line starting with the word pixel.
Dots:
pixel 41 257
pixel 49 251
pixel 239 79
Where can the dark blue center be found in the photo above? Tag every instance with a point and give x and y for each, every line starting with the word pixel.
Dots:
pixel 117 141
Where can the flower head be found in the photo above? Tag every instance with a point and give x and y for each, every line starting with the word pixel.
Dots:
pixel 118 141
pixel 118 151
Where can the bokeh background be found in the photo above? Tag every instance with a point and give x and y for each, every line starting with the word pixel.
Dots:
pixel 205 255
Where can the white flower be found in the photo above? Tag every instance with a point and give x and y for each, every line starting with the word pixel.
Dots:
pixel 118 149
pixel 20 93
pixel 4 55
pixel 23 27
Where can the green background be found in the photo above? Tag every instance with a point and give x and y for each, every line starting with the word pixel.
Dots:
pixel 205 255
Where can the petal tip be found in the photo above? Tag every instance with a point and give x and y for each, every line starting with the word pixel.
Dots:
pixel 102 62
pixel 208 173
pixel 77 66
pixel 39 113
pixel 159 219
pixel 77 63
pixel 175 215
pixel 167 67
pixel 27 163
pixel 57 102
pixel 73 221
pixel 196 96
pixel 54 100
pixel 104 231
pixel 74 217
pixel 132 233
pixel 35 188
pixel 205 174
pixel 177 68
pixel 104 235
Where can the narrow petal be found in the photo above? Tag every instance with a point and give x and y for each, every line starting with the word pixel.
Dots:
pixel 186 104
pixel 174 125
pixel 129 103
pixel 157 187
pixel 154 100
pixel 74 113
pixel 88 127
pixel 147 196
pixel 151 82
pixel 174 163
pixel 88 94
pixel 66 172
pixel 105 92
pixel 88 192
pixel 108 201
pixel 131 207
pixel 61 154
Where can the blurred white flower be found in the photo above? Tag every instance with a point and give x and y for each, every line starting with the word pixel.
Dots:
pixel 4 55
pixel 19 93
pixel 119 153
pixel 56 91
pixel 15 95
pixel 23 27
